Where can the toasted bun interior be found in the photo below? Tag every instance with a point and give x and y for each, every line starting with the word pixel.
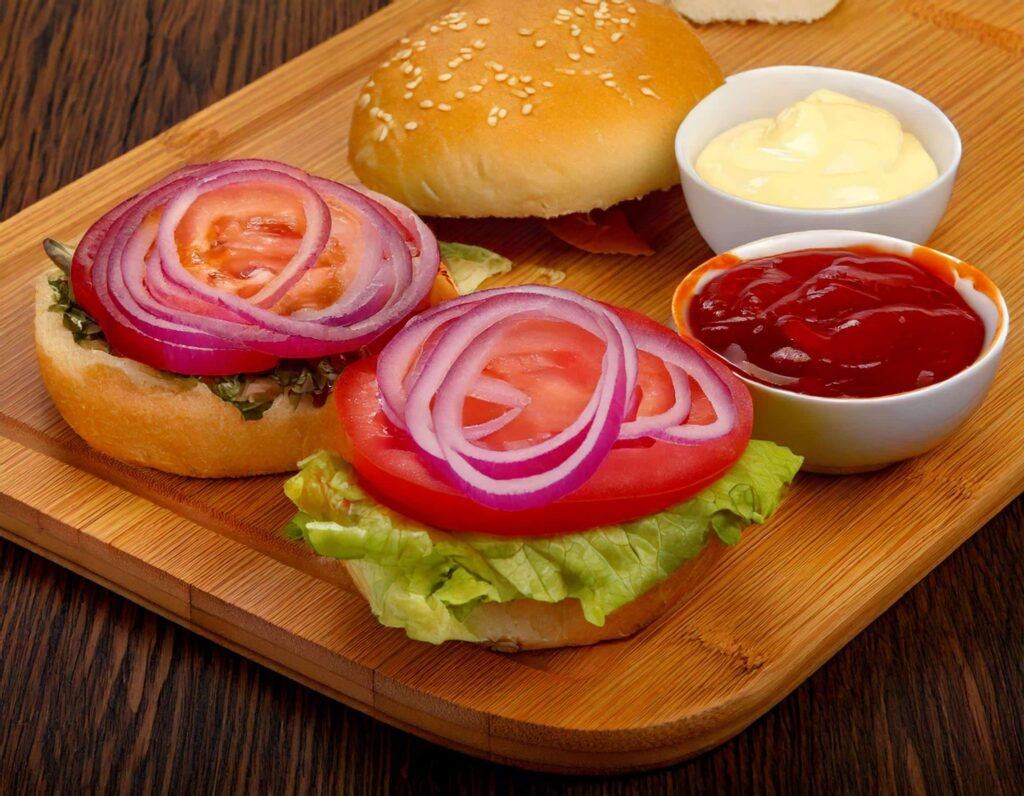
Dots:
pixel 540 109
pixel 141 416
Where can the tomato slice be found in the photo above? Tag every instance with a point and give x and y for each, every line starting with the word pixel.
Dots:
pixel 600 231
pixel 239 237
pixel 558 372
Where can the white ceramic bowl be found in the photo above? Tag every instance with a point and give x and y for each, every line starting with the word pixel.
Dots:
pixel 847 435
pixel 726 221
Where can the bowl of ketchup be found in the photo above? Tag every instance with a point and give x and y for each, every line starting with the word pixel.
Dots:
pixel 859 350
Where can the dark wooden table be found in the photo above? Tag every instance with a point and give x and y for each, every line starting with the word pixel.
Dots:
pixel 99 695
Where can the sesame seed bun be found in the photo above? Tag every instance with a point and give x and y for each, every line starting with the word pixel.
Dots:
pixel 553 109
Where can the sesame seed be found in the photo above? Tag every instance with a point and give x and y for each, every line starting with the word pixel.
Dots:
pixel 460 95
pixel 547 84
pixel 444 106
pixel 370 84
pixel 417 71
pixel 501 77
pixel 631 9
pixel 407 67
pixel 527 109
pixel 513 81
pixel 580 12
pixel 404 40
pixel 494 66
pixel 414 82
pixel 617 35
pixel 419 44
pixel 427 104
pixel 588 49
pixel 466 50
pixel 610 83
pixel 435 29
pixel 445 77
pixel 483 21
pixel 407 95
pixel 530 90
pixel 364 100
pixel 606 75
pixel 574 56
pixel 575 32
pixel 526 78
pixel 493 111
pixel 479 44
pixel 382 133
pixel 520 94
pixel 502 113
pixel 411 125
pixel 643 77
pixel 492 121
pixel 458 26
pixel 647 91
pixel 539 43
pixel 385 64
pixel 525 32
pixel 454 63
pixel 402 55
pixel 476 88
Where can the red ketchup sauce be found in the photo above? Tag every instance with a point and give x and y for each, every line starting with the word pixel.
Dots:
pixel 842 323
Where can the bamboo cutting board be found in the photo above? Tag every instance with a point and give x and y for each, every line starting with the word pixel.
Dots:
pixel 208 554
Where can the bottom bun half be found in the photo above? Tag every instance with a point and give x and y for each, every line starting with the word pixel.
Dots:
pixel 141 416
pixel 531 624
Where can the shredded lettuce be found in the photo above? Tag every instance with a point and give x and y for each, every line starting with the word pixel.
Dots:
pixel 429 581
pixel 471 266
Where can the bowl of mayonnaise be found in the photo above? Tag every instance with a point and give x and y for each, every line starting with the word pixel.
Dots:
pixel 794 148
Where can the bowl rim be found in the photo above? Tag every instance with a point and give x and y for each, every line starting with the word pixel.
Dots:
pixel 992 350
pixel 943 122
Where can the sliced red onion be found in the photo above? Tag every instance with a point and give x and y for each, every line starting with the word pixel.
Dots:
pixel 131 279
pixel 675 351
pixel 438 360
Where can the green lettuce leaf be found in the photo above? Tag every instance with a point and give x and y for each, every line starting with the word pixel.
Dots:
pixel 470 266
pixel 428 581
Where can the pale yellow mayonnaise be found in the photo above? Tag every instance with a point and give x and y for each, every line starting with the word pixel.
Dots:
pixel 826 151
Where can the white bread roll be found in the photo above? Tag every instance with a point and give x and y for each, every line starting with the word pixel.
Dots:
pixel 140 416
pixel 538 109
pixel 773 11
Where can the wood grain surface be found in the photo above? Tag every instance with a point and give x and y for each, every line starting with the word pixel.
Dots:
pixel 94 703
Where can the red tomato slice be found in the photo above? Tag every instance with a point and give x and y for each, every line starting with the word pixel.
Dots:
pixel 239 237
pixel 599 231
pixel 558 373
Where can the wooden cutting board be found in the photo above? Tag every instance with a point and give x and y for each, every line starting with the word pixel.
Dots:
pixel 209 554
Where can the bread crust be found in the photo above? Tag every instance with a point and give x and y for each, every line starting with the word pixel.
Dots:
pixel 776 12
pixel 140 416
pixel 471 117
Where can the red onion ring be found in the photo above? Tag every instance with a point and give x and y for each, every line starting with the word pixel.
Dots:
pixel 426 372
pixel 127 273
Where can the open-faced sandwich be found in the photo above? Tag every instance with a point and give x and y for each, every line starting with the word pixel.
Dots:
pixel 199 327
pixel 525 467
